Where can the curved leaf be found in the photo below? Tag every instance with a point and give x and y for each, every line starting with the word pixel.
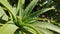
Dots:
pixel 32 27
pixel 35 14
pixel 8 29
pixel 48 26
pixel 45 31
pixel 6 4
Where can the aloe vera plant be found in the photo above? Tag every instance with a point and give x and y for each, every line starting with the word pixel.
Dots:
pixel 25 22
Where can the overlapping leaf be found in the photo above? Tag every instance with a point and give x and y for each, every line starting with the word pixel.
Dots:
pixel 3 14
pixel 9 7
pixel 6 4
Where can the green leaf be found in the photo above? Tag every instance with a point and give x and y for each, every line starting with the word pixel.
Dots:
pixel 48 26
pixel 31 31
pixel 2 13
pixel 2 21
pixel 1 25
pixel 42 4
pixel 8 29
pixel 30 7
pixel 6 4
pixel 26 30
pixel 9 7
pixel 20 7
pixel 23 30
pixel 20 4
pixel 45 31
pixel 29 20
pixel 32 27
pixel 17 32
pixel 35 14
pixel 14 11
pixel 57 23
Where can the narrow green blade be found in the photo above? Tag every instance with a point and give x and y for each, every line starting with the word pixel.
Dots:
pixel 30 7
pixel 35 14
pixel 20 7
